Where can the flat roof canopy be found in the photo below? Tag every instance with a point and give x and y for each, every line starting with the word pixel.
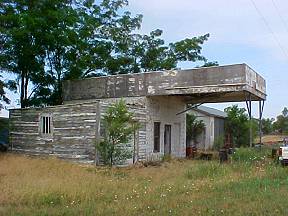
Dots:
pixel 231 83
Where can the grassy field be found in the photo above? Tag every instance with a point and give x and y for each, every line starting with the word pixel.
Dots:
pixel 252 184
pixel 270 139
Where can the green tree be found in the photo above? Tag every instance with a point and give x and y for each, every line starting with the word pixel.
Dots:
pixel 281 123
pixel 46 42
pixel 194 127
pixel 208 64
pixel 3 98
pixel 150 53
pixel 255 128
pixel 5 85
pixel 119 128
pixel 237 125
pixel 267 125
pixel 21 52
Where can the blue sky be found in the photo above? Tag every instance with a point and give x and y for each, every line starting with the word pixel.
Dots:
pixel 238 34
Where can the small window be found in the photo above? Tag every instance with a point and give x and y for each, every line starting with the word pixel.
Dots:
pixel 156 136
pixel 46 124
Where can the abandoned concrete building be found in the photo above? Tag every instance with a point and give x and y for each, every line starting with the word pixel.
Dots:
pixel 157 99
pixel 213 120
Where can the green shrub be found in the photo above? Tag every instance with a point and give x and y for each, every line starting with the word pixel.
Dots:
pixel 119 126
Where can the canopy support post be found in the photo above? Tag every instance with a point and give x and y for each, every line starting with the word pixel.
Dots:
pixel 249 108
pixel 261 109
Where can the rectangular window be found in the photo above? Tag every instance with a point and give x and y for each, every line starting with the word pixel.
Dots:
pixel 156 136
pixel 46 124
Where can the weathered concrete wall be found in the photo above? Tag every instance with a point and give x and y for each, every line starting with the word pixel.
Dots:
pixel 164 109
pixel 231 82
pixel 74 131
pixel 254 80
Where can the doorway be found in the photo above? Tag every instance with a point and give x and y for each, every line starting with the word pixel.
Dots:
pixel 167 139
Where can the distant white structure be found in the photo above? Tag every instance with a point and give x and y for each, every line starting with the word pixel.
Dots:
pixel 214 125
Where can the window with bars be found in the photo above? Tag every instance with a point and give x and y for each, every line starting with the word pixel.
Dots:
pixel 156 136
pixel 46 124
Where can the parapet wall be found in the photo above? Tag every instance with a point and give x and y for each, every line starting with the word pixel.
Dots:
pixel 231 78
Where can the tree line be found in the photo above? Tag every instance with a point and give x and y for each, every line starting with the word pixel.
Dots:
pixel 44 42
pixel 278 125
pixel 237 125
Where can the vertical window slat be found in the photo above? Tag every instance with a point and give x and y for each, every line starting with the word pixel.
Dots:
pixel 50 126
pixel 46 131
pixel 49 129
pixel 43 124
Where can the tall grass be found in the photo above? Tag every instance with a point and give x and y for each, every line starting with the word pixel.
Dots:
pixel 206 170
pixel 30 186
pixel 249 155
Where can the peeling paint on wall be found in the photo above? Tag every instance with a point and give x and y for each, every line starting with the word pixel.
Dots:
pixel 233 79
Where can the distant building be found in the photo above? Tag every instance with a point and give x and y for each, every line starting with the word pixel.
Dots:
pixel 214 126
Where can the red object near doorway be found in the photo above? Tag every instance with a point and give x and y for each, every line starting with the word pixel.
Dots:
pixel 191 152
